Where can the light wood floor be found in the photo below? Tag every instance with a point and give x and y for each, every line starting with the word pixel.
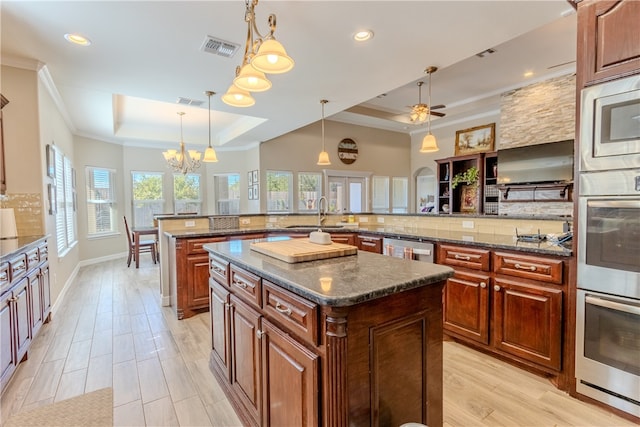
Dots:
pixel 112 332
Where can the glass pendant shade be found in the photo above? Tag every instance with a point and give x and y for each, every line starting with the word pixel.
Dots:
pixel 429 144
pixel 271 58
pixel 169 154
pixel 210 155
pixel 251 80
pixel 323 159
pixel 237 97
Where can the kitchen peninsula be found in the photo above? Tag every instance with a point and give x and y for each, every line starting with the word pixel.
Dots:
pixel 352 340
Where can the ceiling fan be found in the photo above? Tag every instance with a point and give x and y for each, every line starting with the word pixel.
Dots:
pixel 420 111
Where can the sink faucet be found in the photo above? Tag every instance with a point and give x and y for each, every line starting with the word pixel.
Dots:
pixel 322 213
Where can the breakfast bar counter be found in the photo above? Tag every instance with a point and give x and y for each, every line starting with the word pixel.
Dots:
pixel 350 340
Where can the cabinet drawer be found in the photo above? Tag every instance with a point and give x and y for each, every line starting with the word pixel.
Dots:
pixel 17 267
pixel 246 285
pixel 33 258
pixel 219 270
pixel 44 252
pixel 293 312
pixel 475 259
pixel 528 267
pixel 194 246
pixel 370 244
pixel 4 276
pixel 251 236
pixel 344 238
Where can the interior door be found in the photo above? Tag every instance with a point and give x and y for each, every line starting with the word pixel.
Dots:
pixel 347 194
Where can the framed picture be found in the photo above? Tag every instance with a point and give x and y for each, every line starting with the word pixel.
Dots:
pixel 73 178
pixel 250 177
pixel 51 161
pixel 256 192
pixel 250 192
pixel 255 176
pixel 53 204
pixel 479 139
pixel 469 198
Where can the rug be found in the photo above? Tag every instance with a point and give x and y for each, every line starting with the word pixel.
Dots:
pixel 91 409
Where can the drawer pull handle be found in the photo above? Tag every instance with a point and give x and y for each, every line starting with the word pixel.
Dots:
pixel 283 309
pixel 463 257
pixel 4 276
pixel 496 288
pixel 218 269
pixel 240 284
pixel 483 285
pixel 524 267
pixel 19 267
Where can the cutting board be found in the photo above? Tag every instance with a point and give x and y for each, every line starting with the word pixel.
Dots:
pixel 299 250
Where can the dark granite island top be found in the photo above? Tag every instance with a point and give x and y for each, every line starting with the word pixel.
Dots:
pixel 338 282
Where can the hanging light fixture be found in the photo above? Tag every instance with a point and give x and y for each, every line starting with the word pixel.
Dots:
pixel 429 143
pixel 182 161
pixel 419 111
pixel 210 153
pixel 323 158
pixel 262 54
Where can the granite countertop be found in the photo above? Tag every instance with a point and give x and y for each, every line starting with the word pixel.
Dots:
pixel 11 247
pixel 339 282
pixel 484 240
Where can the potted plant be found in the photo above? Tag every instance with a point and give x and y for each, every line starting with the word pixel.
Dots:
pixel 469 177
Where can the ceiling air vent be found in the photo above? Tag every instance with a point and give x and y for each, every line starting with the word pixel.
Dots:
pixel 189 101
pixel 219 47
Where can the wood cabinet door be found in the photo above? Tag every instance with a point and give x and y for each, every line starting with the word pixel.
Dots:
pixel 45 286
pixel 22 323
pixel 197 281
pixel 220 330
pixel 7 354
pixel 245 357
pixel 35 299
pixel 608 34
pixel 528 321
pixel 370 244
pixel 466 306
pixel 290 380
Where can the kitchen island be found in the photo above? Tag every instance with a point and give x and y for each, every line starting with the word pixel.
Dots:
pixel 353 340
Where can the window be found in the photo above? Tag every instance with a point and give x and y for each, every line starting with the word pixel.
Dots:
pixel 279 191
pixel 186 193
pixel 309 191
pixel 400 196
pixel 101 201
pixel 65 215
pixel 347 191
pixel 380 196
pixel 227 194
pixel 146 188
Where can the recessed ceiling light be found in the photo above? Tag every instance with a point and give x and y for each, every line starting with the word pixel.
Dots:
pixel 77 39
pixel 528 73
pixel 363 35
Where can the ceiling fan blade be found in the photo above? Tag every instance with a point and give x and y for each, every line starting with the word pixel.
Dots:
pixel 435 113
pixel 438 107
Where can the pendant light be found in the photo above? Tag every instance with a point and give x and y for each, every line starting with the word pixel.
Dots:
pixel 429 143
pixel 323 158
pixel 210 153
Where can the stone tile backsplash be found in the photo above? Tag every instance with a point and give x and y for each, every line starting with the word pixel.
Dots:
pixel 29 212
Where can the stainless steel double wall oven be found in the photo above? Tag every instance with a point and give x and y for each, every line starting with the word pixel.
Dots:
pixel 608 278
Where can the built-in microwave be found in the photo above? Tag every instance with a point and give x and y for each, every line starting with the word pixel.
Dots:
pixel 610 125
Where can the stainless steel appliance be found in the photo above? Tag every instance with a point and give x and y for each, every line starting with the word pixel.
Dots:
pixel 408 249
pixel 610 125
pixel 608 297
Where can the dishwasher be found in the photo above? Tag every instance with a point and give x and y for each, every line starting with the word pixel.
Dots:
pixel 408 249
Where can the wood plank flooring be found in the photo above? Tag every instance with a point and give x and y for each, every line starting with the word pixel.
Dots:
pixel 112 332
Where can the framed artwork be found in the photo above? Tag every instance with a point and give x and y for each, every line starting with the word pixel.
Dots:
pixel 51 161
pixel 250 192
pixel 479 139
pixel 255 176
pixel 73 178
pixel 53 204
pixel 256 192
pixel 250 177
pixel 469 198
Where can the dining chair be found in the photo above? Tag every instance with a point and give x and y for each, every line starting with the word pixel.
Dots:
pixel 146 245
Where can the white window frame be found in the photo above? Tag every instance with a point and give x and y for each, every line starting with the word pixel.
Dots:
pixel 400 194
pixel 150 202
pixel 312 203
pixel 111 201
pixel 349 177
pixel 179 205
pixel 65 215
pixel 228 203
pixel 380 194
pixel 288 201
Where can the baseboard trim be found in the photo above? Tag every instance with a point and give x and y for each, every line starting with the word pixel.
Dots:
pixel 63 293
pixel 92 261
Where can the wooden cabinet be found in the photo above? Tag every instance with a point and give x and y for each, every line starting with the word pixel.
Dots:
pixel 369 243
pixel 344 238
pixel 509 303
pixel 608 34
pixel 490 192
pixel 220 336
pixel 463 198
pixel 25 304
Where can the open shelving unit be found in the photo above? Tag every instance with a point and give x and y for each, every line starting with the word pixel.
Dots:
pixel 450 200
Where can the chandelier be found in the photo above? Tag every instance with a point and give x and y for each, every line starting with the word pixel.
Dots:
pixel 262 54
pixel 182 161
pixel 429 143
